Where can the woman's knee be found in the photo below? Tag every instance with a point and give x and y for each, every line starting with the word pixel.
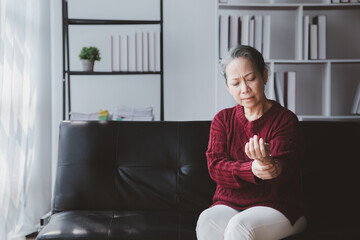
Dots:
pixel 238 228
pixel 213 221
pixel 207 219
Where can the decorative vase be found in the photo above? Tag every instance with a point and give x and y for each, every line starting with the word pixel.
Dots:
pixel 88 66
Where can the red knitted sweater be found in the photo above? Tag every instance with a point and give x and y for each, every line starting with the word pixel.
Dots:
pixel 230 167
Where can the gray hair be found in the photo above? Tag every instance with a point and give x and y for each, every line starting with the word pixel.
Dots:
pixel 248 52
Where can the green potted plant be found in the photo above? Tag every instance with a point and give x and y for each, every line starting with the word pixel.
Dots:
pixel 88 55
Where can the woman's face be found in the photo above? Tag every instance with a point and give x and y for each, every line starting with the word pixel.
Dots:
pixel 245 83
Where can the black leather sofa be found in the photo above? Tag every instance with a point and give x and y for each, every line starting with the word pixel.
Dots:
pixel 149 180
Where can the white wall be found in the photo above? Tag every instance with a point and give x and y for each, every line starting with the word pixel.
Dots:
pixel 189 60
pixel 189 36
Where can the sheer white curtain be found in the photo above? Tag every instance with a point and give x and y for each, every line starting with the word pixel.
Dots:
pixel 25 116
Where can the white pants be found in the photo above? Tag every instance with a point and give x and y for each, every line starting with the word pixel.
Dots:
pixel 223 222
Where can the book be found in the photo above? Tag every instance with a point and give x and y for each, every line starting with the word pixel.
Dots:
pixel 258 33
pixel 124 53
pixel 266 37
pixel 252 32
pixel 290 90
pixel 306 22
pixel 125 113
pixel 233 28
pixel 115 53
pixel 313 41
pixel 157 52
pixel 356 104
pixel 131 52
pixel 320 21
pixel 223 35
pixel 146 51
pixel 245 25
pixel 139 51
pixel 152 51
pixel 92 116
pixel 270 88
pixel 279 88
pixel 239 30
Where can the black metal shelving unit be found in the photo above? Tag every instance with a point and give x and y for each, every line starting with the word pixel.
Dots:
pixel 67 73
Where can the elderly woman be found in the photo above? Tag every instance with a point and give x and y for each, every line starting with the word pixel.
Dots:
pixel 253 156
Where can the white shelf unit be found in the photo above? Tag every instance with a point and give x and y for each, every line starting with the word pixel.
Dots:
pixel 325 89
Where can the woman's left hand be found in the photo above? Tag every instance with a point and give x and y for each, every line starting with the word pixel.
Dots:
pixel 263 166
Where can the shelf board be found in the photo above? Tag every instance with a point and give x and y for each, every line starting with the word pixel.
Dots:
pixel 329 118
pixel 110 73
pixel 288 5
pixel 318 61
pixel 74 21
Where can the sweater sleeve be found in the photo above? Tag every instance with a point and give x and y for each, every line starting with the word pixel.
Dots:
pixel 223 170
pixel 287 147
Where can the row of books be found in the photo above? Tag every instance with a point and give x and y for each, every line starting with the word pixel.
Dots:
pixel 245 30
pixel 121 113
pixel 284 89
pixel 314 37
pixel 356 105
pixel 137 52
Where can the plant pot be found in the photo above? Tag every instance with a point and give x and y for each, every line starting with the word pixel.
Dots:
pixel 88 66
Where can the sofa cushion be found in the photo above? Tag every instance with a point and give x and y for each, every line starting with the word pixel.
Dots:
pixel 134 225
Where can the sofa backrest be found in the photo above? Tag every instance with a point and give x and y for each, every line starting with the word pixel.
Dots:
pixel 140 166
pixel 330 169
